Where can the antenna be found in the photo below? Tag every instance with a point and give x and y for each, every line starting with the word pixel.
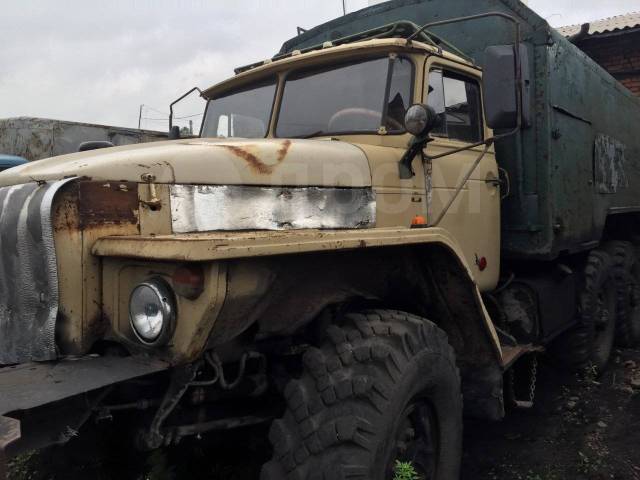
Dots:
pixel 344 7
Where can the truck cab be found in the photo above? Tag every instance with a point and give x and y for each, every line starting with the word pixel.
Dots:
pixel 350 104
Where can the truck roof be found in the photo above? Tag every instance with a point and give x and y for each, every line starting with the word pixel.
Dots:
pixel 420 12
pixel 270 66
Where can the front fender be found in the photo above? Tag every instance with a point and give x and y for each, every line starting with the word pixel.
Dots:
pixel 283 281
pixel 244 246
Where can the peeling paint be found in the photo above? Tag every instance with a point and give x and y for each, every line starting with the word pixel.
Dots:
pixel 249 153
pixel 610 174
pixel 282 153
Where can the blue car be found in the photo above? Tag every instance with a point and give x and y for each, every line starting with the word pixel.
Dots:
pixel 8 161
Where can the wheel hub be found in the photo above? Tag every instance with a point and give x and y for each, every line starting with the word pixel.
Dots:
pixel 415 443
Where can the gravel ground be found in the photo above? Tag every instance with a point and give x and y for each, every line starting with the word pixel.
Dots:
pixel 581 428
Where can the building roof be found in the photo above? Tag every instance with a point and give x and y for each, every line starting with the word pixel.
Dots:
pixel 606 25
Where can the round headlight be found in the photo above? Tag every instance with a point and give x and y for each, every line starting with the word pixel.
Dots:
pixel 152 311
pixel 420 119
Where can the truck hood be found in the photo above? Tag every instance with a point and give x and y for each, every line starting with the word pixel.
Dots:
pixel 280 162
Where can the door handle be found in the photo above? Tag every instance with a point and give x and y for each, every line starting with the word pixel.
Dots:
pixel 493 180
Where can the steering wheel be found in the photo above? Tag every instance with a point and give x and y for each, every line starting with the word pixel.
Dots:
pixel 343 115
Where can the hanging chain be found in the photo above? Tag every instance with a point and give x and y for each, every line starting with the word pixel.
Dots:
pixel 534 378
pixel 511 389
pixel 511 385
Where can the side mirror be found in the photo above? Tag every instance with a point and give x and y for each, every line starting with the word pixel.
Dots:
pixel 500 87
pixel 420 119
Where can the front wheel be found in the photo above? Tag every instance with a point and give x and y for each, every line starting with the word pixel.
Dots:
pixel 383 388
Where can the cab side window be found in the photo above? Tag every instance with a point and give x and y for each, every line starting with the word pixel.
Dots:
pixel 456 99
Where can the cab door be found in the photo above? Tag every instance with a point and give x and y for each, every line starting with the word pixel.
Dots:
pixel 453 90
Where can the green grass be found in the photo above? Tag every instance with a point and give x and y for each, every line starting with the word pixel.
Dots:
pixel 405 471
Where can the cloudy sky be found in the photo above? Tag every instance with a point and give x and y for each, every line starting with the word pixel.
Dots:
pixel 97 61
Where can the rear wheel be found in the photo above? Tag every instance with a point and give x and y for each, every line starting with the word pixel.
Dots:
pixel 590 342
pixel 383 387
pixel 627 273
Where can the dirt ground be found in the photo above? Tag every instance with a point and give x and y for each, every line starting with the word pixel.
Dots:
pixel 581 428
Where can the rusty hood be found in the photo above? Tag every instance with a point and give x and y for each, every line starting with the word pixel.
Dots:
pixel 329 163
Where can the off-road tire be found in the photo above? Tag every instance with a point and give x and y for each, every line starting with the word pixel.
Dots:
pixel 590 342
pixel 344 411
pixel 627 274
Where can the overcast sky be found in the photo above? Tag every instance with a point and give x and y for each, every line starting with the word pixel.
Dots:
pixel 97 61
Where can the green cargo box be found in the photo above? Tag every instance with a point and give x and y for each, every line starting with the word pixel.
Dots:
pixel 576 166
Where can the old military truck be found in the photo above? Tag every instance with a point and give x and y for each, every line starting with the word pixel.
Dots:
pixel 370 228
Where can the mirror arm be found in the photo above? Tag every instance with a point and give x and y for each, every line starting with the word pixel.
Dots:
pixel 176 101
pixel 406 170
pixel 463 182
pixel 405 165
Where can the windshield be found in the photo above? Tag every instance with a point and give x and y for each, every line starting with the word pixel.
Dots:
pixel 358 97
pixel 346 99
pixel 244 113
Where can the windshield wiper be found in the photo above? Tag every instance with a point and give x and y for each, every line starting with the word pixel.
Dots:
pixel 310 135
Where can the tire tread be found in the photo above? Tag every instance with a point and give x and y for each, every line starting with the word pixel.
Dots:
pixel 354 370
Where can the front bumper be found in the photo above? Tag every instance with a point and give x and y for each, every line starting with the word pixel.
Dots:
pixel 9 433
pixel 33 385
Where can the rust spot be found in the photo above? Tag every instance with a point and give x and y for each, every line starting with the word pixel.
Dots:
pixel 98 326
pixel 65 211
pixel 256 163
pixel 282 152
pixel 250 158
pixel 107 204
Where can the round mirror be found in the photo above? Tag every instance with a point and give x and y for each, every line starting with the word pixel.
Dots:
pixel 420 119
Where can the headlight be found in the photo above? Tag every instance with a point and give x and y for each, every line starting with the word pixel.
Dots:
pixel 152 311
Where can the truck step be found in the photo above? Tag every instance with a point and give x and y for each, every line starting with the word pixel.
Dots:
pixel 512 353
